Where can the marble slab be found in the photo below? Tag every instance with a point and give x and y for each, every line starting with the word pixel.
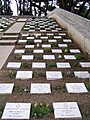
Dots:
pixel 63 34
pixel 24 75
pixel 38 41
pixel 50 34
pixel 6 88
pixel 63 65
pixel 75 51
pixel 19 51
pixel 76 88
pixel 53 75
pixel 30 38
pixel 48 57
pixel 40 88
pixel 27 57
pixel 38 51
pixel 62 45
pixel 67 40
pixel 19 111
pixel 29 46
pixel 24 35
pixel 57 37
pixel 82 74
pixel 66 110
pixel 85 64
pixel 14 65
pixel 44 37
pixel 22 41
pixel 69 57
pixel 56 51
pixel 46 46
pixel 31 30
pixel 52 40
pixel 38 65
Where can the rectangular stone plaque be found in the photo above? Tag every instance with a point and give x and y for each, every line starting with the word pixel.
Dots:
pixel 27 57
pixel 29 46
pixel 63 65
pixel 67 40
pixel 24 75
pixel 72 57
pixel 22 41
pixel 38 51
pixel 53 75
pixel 56 51
pixel 57 37
pixel 52 40
pixel 19 51
pixel 6 88
pixel 81 74
pixel 14 65
pixel 62 45
pixel 19 111
pixel 75 51
pixel 46 46
pixel 85 64
pixel 76 88
pixel 66 110
pixel 40 88
pixel 38 65
pixel 49 57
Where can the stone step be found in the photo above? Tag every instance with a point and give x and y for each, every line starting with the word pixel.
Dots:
pixel 10 37
pixel 8 42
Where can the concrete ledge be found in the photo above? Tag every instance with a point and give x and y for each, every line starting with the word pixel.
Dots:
pixel 4 53
pixel 78 28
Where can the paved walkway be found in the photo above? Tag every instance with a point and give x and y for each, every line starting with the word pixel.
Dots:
pixel 4 53
pixel 16 28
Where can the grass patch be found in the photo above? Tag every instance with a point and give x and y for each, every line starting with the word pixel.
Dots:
pixel 18 88
pixel 47 50
pixel 79 56
pixel 51 64
pixel 54 44
pixel 88 86
pixel 25 65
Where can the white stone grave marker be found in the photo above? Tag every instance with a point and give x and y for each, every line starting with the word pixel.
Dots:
pixel 53 75
pixel 75 51
pixel 72 57
pixel 24 75
pixel 76 88
pixel 66 110
pixel 6 88
pixel 46 46
pixel 85 64
pixel 57 37
pixel 63 65
pixel 37 41
pixel 19 111
pixel 38 65
pixel 81 74
pixel 22 41
pixel 38 51
pixel 19 51
pixel 14 65
pixel 40 88
pixel 27 57
pixel 67 40
pixel 62 45
pixel 52 40
pixel 49 57
pixel 56 51
pixel 29 46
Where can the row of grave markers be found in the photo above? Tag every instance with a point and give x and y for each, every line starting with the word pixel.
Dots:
pixel 61 109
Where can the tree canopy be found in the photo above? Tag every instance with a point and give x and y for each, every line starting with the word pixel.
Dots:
pixel 36 8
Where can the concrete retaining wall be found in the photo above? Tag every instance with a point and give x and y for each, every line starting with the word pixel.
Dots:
pixel 78 27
